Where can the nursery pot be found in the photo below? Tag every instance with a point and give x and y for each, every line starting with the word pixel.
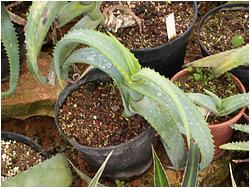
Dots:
pixel 222 132
pixel 5 135
pixel 129 159
pixel 167 59
pixel 241 72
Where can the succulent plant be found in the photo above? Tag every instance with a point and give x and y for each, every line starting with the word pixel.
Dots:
pixel 143 92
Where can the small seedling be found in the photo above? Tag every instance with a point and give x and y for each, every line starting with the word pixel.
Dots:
pixel 120 183
pixel 237 41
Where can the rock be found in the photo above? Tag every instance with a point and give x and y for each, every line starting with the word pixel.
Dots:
pixel 31 98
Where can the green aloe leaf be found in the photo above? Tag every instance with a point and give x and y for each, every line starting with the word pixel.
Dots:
pixel 71 10
pixel 95 58
pixel 224 61
pixel 237 146
pixel 94 181
pixel 40 17
pixel 160 177
pixel 9 39
pixel 240 127
pixel 165 93
pixel 165 124
pixel 204 101
pixel 191 171
pixel 227 106
pixel 233 103
pixel 94 39
pixel 53 172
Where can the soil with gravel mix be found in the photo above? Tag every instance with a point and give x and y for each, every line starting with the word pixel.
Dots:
pixel 91 116
pixel 17 157
pixel 154 13
pixel 202 78
pixel 217 32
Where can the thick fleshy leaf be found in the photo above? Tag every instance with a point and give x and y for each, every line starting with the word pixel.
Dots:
pixel 101 42
pixel 240 127
pixel 164 123
pixel 237 146
pixel 94 181
pixel 224 61
pixel 226 106
pixel 171 97
pixel 54 172
pixel 40 17
pixel 71 10
pixel 191 171
pixel 160 177
pixel 9 39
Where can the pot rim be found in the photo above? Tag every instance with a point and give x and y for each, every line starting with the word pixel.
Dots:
pixel 239 85
pixel 74 87
pixel 6 135
pixel 211 13
pixel 195 9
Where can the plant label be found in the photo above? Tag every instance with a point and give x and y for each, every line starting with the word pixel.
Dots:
pixel 170 23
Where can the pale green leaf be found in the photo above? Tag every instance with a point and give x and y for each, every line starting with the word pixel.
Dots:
pixel 237 146
pixel 53 172
pixel 160 177
pixel 40 18
pixel 9 39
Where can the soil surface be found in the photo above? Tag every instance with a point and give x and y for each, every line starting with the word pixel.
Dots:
pixel 91 116
pixel 202 78
pixel 218 31
pixel 17 157
pixel 153 14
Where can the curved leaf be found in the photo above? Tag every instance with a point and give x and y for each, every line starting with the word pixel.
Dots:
pixel 160 177
pixel 71 10
pixel 9 39
pixel 167 94
pixel 40 17
pixel 53 172
pixel 101 42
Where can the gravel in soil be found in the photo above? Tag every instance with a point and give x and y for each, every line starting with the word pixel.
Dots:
pixel 91 116
pixel 218 31
pixel 44 132
pixel 17 157
pixel 153 14
pixel 202 78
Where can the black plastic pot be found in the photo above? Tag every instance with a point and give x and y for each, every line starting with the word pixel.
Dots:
pixel 167 59
pixel 5 135
pixel 241 72
pixel 129 159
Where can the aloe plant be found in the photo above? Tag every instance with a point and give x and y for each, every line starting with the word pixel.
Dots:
pixel 240 145
pixel 191 170
pixel 53 172
pixel 220 107
pixel 9 39
pixel 224 61
pixel 143 92
pixel 40 18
